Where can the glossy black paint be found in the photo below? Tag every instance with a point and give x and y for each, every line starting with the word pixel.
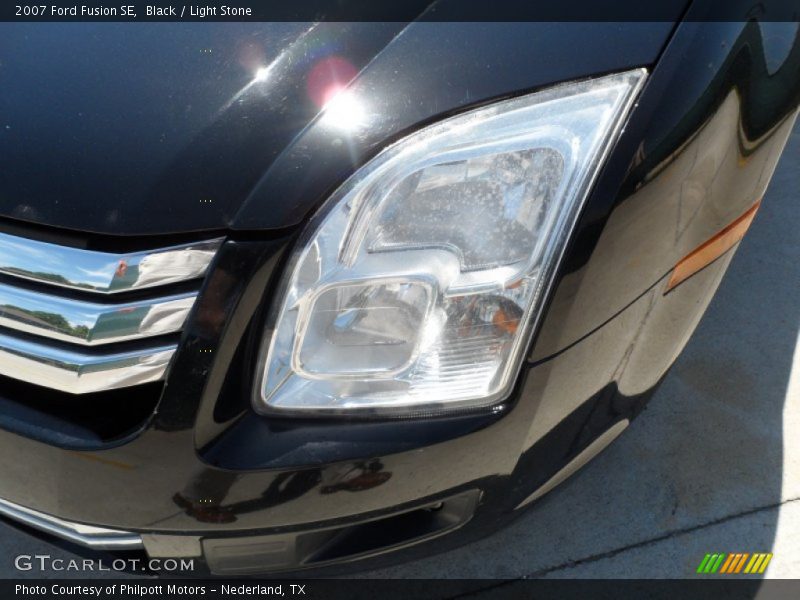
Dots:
pixel 670 187
pixel 431 71
pixel 122 129
pixel 206 466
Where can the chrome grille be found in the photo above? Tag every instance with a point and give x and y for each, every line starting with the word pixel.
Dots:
pixel 62 316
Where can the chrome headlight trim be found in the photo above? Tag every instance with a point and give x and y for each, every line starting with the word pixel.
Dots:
pixel 533 159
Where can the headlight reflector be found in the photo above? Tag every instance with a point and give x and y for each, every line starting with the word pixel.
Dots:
pixel 416 289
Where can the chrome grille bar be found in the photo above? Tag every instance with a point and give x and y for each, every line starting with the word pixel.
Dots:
pixel 103 272
pixel 90 323
pixel 78 372
pixel 53 336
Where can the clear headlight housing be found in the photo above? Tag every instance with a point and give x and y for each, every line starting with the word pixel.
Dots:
pixel 416 289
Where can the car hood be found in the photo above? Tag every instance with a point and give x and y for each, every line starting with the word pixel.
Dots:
pixel 143 128
pixel 134 128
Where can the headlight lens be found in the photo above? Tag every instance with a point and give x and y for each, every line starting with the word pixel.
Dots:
pixel 416 289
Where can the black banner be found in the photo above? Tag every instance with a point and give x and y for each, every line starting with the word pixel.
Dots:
pixel 149 589
pixel 401 11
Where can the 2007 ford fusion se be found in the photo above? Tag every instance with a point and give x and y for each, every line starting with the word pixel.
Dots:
pixel 330 295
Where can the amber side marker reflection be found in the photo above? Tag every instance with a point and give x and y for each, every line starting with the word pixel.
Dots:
pixel 712 249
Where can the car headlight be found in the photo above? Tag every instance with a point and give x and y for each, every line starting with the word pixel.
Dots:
pixel 416 288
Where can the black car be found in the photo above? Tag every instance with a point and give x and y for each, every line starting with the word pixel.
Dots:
pixel 281 296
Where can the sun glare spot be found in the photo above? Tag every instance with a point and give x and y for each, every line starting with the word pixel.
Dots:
pixel 344 111
pixel 262 74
